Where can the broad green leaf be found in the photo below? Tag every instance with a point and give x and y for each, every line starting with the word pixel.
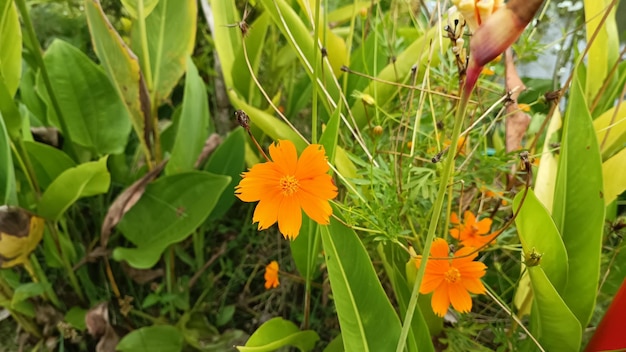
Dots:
pixel 168 212
pixel 610 130
pixel 10 46
pixel 228 159
pixel 276 333
pixel 8 192
pixel 603 52
pixel 579 205
pixel 122 67
pixel 170 35
pixel 95 116
pixel 614 179
pixel 335 345
pixel 134 7
pixel 48 162
pixel 193 124
pixel 30 98
pixel 269 124
pixel 84 180
pixel 162 338
pixel 418 53
pixel 538 234
pixel 227 38
pixel 556 327
pixel 364 311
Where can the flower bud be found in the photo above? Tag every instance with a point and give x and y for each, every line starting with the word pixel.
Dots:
pixel 377 130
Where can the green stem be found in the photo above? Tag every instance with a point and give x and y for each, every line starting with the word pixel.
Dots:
pixel 66 263
pixel 446 174
pixel 39 274
pixel 316 53
pixel 145 57
pixel 36 51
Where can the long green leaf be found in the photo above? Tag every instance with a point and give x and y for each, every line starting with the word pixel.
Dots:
pixel 603 52
pixel 226 36
pixel 367 319
pixel 399 70
pixel 10 46
pixel 168 212
pixel 8 193
pixel 578 209
pixel 122 67
pixel 538 234
pixel 171 34
pixel 84 180
pixel 555 325
pixel 94 114
pixel 48 162
pixel 193 124
pixel 614 178
pixel 146 6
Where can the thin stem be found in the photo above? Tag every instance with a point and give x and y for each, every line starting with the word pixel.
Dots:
pixel 446 174
pixel 315 74
pixel 145 57
pixel 52 226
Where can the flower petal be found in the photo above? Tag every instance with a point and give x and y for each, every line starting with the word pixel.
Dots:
pixel 262 181
pixel 430 283
pixel 439 248
pixel 266 212
pixel 440 301
pixel 483 226
pixel 459 297
pixel 289 217
pixel 468 218
pixel 312 162
pixel 454 219
pixel 473 285
pixel 285 157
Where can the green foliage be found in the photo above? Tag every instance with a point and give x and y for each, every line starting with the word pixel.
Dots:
pixel 276 333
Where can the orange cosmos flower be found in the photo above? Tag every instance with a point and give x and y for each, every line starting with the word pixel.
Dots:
pixel 271 275
pixel 285 186
pixel 452 280
pixel 470 232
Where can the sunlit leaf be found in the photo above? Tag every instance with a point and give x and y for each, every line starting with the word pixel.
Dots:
pixel 133 7
pixel 170 34
pixel 10 46
pixel 276 333
pixel 603 51
pixel 48 162
pixel 364 311
pixel 84 180
pixel 613 175
pixel 578 209
pixel 8 193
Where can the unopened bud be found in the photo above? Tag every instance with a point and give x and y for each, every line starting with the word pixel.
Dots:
pixel 377 130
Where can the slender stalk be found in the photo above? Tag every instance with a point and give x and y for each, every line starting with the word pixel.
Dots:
pixel 446 174
pixel 38 275
pixel 66 263
pixel 316 66
pixel 145 54
pixel 36 51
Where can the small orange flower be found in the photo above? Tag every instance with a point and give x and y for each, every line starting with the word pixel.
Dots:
pixel 271 275
pixel 470 232
pixel 452 280
pixel 487 71
pixel 524 107
pixel 286 186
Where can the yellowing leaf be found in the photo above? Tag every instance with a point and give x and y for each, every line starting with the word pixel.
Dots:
pixel 20 233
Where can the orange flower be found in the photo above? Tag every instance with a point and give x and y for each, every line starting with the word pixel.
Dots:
pixel 470 233
pixel 452 280
pixel 271 275
pixel 286 186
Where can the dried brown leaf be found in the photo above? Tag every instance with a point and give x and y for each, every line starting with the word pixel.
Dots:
pixel 141 276
pixel 210 145
pixel 517 121
pixel 125 201
pixel 97 322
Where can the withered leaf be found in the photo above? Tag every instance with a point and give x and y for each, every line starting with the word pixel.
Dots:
pixel 517 121
pixel 97 322
pixel 125 201
pixel 210 144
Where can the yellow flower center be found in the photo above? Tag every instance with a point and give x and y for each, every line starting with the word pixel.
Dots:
pixel 289 185
pixel 452 275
